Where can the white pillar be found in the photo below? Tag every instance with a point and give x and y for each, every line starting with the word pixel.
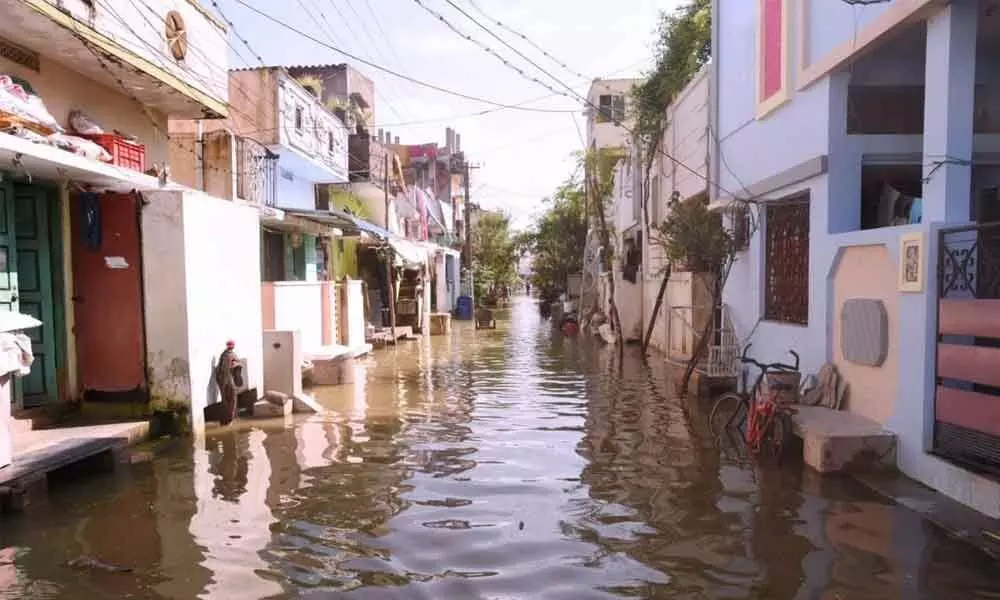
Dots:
pixel 949 94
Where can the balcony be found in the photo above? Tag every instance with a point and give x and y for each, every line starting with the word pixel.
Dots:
pixel 171 56
pixel 256 173
pixel 367 159
pixel 254 180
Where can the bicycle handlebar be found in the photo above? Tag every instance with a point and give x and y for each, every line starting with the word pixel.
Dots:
pixel 770 366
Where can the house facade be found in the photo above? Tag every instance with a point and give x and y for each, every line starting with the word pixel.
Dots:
pixel 608 132
pixel 119 263
pixel 679 172
pixel 305 147
pixel 866 137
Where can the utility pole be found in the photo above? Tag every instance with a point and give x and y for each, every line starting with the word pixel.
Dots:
pixel 468 216
pixel 385 186
pixel 390 270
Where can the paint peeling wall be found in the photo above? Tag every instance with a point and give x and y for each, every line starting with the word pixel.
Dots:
pixel 199 293
pixel 163 260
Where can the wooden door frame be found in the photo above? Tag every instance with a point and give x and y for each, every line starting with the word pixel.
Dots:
pixel 143 393
pixel 51 196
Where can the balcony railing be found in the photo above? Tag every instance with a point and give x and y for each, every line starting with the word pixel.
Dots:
pixel 256 173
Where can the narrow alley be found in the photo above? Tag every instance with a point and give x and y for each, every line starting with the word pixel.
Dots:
pixel 507 463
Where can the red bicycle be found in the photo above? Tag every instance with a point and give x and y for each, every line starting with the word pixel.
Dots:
pixel 768 422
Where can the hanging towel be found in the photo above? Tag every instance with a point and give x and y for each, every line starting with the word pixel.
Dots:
pixel 15 353
pixel 90 217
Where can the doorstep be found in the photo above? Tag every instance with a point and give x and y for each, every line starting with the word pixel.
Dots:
pixel 38 453
pixel 957 519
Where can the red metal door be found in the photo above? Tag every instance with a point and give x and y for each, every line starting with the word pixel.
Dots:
pixel 107 295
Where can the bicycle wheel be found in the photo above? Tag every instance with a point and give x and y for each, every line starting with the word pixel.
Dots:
pixel 729 411
pixel 777 435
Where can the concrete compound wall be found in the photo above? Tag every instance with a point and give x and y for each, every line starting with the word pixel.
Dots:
pixel 202 288
pixel 867 272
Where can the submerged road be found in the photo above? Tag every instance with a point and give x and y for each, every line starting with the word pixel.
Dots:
pixel 490 464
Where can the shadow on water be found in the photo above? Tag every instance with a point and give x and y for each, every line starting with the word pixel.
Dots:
pixel 512 463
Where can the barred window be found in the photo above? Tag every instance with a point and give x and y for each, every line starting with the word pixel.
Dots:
pixel 786 271
pixel 611 108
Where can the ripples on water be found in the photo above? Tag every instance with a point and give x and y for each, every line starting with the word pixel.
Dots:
pixel 492 464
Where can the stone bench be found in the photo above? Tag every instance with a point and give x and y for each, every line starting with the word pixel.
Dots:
pixel 840 441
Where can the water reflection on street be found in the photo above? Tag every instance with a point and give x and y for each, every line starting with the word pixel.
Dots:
pixel 491 464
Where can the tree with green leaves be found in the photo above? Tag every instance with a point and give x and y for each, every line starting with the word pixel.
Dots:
pixel 558 240
pixel 494 256
pixel 683 47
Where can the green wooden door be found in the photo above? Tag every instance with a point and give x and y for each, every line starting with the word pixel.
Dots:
pixel 34 282
pixel 8 250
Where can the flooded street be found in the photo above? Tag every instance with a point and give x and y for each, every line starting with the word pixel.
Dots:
pixel 491 464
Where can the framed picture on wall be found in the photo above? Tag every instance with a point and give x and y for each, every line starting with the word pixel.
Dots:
pixel 911 262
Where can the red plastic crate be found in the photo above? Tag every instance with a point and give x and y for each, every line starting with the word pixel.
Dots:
pixel 123 152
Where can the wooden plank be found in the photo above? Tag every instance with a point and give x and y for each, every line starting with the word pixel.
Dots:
pixel 969 317
pixel 978 364
pixel 972 410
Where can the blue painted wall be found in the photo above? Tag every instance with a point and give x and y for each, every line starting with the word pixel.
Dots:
pixel 811 124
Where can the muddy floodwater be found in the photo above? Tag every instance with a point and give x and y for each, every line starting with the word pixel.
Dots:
pixel 494 464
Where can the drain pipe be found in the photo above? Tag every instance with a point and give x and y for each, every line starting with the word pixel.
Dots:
pixel 713 99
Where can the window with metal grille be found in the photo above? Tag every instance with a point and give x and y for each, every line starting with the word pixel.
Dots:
pixel 611 108
pixel 298 118
pixel 786 271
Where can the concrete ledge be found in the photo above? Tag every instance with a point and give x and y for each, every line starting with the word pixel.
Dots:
pixel 38 453
pixel 957 519
pixel 840 441
pixel 440 323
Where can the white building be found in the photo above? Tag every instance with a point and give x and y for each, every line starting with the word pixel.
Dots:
pixel 130 273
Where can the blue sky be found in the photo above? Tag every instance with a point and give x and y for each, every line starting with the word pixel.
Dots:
pixel 523 155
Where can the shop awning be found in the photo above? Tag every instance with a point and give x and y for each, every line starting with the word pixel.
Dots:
pixel 410 253
pixel 319 223
pixel 362 225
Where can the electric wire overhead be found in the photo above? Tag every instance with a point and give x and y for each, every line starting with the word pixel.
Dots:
pixel 708 180
pixel 392 72
pixel 490 51
pixel 525 39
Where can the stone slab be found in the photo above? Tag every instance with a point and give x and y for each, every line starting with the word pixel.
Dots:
pixel 265 409
pixel 841 441
pixel 41 451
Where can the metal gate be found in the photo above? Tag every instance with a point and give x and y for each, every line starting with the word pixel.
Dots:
pixel 967 398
